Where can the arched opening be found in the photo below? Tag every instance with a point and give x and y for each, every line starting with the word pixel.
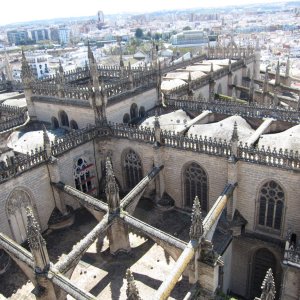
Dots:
pixel 54 123
pixel 126 118
pixel 133 169
pixel 73 125
pixel 142 112
pixel 263 260
pixel 293 240
pixel 219 90
pixel 195 184
pixel 134 112
pixel 270 206
pixel 64 120
pixel 16 213
pixel 84 176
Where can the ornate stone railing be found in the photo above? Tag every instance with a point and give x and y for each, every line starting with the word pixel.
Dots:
pixel 10 110
pixel 228 108
pixel 12 122
pixel 76 138
pixel 144 134
pixel 23 163
pixel 293 256
pixel 11 116
pixel 276 158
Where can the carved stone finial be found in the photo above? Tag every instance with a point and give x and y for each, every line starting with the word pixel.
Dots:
pixel 26 72
pixel 268 287
pixel 132 292
pixel 90 54
pixel 60 68
pixel 190 77
pixel 211 68
pixel 196 229
pixel 233 94
pixel 156 120
pixel 34 236
pixel 229 65
pixel 111 189
pixel 46 139
pixel 235 136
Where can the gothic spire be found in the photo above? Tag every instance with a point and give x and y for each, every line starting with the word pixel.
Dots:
pixel 111 189
pixel 288 66
pixel 26 72
pixel 196 229
pixel 34 236
pixel 190 77
pixel 132 292
pixel 266 81
pixel 60 68
pixel 277 75
pixel 233 94
pixel 90 54
pixel 8 70
pixel 235 136
pixel 46 140
pixel 156 120
pixel 268 287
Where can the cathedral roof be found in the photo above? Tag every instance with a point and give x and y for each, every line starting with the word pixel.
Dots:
pixel 174 121
pixel 288 139
pixel 223 129
pixel 25 142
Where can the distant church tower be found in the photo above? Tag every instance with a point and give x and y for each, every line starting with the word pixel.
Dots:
pixel 100 21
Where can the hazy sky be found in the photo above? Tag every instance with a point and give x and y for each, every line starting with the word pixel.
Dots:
pixel 27 10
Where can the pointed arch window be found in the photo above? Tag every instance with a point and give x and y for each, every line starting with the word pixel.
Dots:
pixel 270 205
pixel 16 205
pixel 195 184
pixel 64 119
pixel 133 169
pixel 83 176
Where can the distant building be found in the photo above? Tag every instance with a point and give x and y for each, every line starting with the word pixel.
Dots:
pixel 39 35
pixel 17 37
pixel 100 22
pixel 54 35
pixel 64 35
pixel 39 65
pixel 189 38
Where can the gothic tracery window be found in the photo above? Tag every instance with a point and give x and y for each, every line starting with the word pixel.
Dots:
pixel 133 169
pixel 195 184
pixel 271 203
pixel 16 205
pixel 83 176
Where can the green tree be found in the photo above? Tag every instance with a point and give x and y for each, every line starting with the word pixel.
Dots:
pixel 139 33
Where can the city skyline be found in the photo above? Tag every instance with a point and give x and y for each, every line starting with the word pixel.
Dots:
pixel 32 10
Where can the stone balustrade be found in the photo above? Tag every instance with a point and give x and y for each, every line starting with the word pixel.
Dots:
pixel 23 163
pixel 293 256
pixel 229 108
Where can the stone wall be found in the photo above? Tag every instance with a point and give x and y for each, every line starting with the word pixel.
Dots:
pixel 36 183
pixel 46 110
pixel 250 179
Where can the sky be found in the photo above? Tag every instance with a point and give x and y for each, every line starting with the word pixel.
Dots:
pixel 28 10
